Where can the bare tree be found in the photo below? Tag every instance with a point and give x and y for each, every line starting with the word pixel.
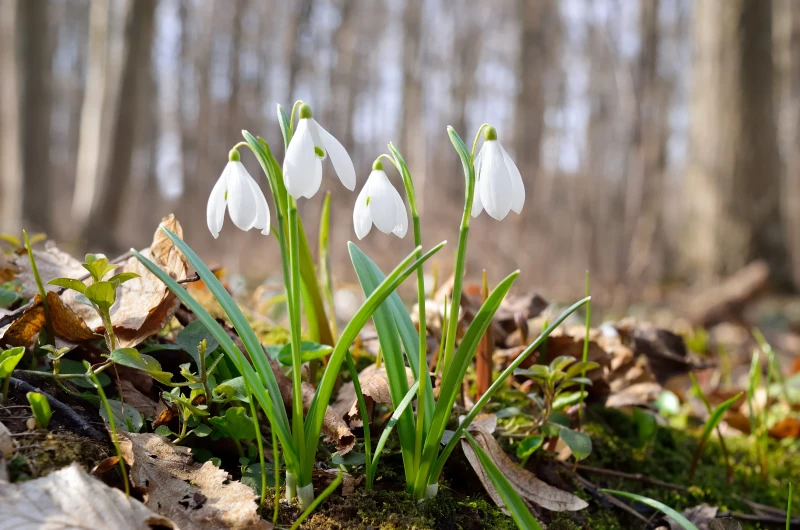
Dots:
pixel 10 133
pixel 125 114
pixel 733 186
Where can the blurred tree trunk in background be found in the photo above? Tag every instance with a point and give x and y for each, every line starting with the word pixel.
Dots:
pixel 295 44
pixel 345 72
pixel 537 20
pixel 35 48
pixel 733 186
pixel 792 143
pixel 94 125
pixel 10 110
pixel 135 73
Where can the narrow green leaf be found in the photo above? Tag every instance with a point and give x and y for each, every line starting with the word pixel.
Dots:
pixel 396 415
pixel 660 506
pixel 41 409
pixel 715 418
pixel 68 283
pixel 519 511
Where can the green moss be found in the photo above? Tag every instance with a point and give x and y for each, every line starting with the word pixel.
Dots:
pixel 393 510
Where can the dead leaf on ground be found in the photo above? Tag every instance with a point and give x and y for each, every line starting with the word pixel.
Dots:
pixel 131 396
pixel 524 482
pixel 6 441
pixel 724 523
pixel 375 387
pixel 195 496
pixel 51 263
pixel 71 498
pixel 323 478
pixel 786 428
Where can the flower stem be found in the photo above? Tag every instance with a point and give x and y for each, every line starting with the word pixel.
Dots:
pixel 294 328
pixel 260 443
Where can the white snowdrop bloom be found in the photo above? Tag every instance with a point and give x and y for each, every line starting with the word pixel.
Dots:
pixel 380 204
pixel 245 201
pixel 310 145
pixel 498 185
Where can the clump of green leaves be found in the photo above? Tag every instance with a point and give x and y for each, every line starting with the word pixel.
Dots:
pixel 559 386
pixel 102 293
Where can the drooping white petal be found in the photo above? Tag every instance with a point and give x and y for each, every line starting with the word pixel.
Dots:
pixel 477 205
pixel 215 211
pixel 381 201
pixel 315 128
pixel 401 217
pixel 299 165
pixel 496 190
pixel 342 163
pixel 517 186
pixel 313 188
pixel 241 202
pixel 262 208
pixel 362 219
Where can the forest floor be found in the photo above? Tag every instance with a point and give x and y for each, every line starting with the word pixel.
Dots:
pixel 192 463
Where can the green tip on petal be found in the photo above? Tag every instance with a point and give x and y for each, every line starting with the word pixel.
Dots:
pixel 489 133
pixel 377 165
pixel 319 152
pixel 234 155
pixel 305 111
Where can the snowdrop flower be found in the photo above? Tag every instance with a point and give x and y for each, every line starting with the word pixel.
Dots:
pixel 498 188
pixel 381 204
pixel 245 201
pixel 310 145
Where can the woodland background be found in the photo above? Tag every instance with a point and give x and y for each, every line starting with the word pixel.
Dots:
pixel 658 139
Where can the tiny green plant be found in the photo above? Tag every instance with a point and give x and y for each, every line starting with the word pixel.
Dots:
pixel 714 418
pixel 585 356
pixel 101 293
pixel 42 294
pixel 559 385
pixel 40 408
pixel 789 508
pixel 660 506
pixel 9 359
pixel 758 423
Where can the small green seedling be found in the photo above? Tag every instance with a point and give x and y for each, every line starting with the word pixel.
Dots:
pixel 660 506
pixel 102 293
pixel 715 416
pixel 41 409
pixel 556 383
pixel 9 359
pixel 111 425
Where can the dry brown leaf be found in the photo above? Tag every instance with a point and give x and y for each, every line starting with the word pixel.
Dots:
pixel 786 428
pixel 195 496
pixel 639 394
pixel 131 396
pixel 71 498
pixel 25 323
pixel 375 387
pixel 524 482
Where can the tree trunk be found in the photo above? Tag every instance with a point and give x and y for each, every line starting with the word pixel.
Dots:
pixel 10 126
pixel 34 48
pixel 733 187
pixel 105 213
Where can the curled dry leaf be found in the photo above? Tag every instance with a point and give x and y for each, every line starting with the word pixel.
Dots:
pixel 6 442
pixel 375 387
pixel 51 263
pixel 524 482
pixel 71 498
pixel 195 496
